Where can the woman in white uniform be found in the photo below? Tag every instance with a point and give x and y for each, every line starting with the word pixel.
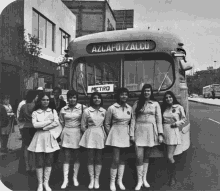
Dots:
pixel 147 131
pixel 94 137
pixel 173 118
pixel 70 118
pixel 117 124
pixel 44 144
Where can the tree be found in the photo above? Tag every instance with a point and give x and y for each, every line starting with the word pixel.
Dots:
pixel 26 51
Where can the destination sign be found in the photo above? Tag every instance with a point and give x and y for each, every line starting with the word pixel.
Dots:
pixel 109 47
pixel 101 88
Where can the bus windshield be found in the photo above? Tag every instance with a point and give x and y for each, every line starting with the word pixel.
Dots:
pixel 123 71
pixel 138 72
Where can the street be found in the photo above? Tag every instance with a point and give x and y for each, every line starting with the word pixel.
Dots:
pixel 197 169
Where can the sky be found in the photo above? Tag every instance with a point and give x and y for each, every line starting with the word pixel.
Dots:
pixel 197 22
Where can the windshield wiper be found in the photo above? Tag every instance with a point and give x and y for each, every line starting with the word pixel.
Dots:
pixel 163 79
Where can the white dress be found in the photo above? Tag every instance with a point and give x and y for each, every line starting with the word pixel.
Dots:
pixel 172 136
pixel 71 121
pixel 92 124
pixel 43 140
pixel 117 123
pixel 147 125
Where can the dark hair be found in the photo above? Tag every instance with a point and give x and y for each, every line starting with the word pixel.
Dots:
pixel 141 99
pixel 38 103
pixel 71 93
pixel 93 95
pixel 31 95
pixel 58 89
pixel 119 92
pixel 164 104
pixel 25 94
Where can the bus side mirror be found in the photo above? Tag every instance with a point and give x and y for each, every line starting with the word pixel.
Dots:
pixel 184 65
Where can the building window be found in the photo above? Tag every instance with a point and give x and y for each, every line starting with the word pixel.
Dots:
pixel 65 39
pixel 43 29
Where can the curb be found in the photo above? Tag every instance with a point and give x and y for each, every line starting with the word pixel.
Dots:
pixel 204 103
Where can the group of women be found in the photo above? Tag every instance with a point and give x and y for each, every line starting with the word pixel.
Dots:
pixel 146 125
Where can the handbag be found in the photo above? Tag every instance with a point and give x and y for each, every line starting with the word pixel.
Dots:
pixel 11 137
pixel 56 131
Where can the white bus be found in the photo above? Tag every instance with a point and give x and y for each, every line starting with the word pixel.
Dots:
pixel 207 91
pixel 131 58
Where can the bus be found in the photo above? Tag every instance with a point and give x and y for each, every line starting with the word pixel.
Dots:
pixel 207 91
pixel 131 58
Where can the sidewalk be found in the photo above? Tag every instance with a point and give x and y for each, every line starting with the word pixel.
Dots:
pixel 207 101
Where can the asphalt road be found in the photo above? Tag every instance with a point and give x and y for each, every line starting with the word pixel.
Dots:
pixel 197 169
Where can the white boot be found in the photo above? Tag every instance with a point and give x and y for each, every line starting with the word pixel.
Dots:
pixel 145 169
pixel 47 172
pixel 140 177
pixel 98 169
pixel 91 174
pixel 65 175
pixel 121 169
pixel 113 173
pixel 39 172
pixel 75 173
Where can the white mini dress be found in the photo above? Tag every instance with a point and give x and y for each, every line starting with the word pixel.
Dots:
pixel 117 124
pixel 43 140
pixel 175 114
pixel 92 125
pixel 71 121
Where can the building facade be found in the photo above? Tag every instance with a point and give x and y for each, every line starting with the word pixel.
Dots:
pixel 91 16
pixel 124 19
pixel 55 26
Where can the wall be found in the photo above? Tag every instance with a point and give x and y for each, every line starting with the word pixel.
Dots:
pixel 58 13
pixel 11 22
pixel 110 22
pixel 90 16
pixel 18 16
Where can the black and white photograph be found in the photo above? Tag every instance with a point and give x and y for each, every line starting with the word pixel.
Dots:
pixel 109 95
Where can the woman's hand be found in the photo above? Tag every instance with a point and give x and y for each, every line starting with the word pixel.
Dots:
pixel 160 138
pixel 173 125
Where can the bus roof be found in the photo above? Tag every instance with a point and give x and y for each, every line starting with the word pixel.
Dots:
pixel 165 41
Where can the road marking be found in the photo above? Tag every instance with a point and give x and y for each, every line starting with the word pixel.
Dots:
pixel 214 120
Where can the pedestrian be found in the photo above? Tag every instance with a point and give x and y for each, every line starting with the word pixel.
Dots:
pixel 4 121
pixel 28 129
pixel 6 131
pixel 146 131
pixel 44 144
pixel 213 93
pixel 55 102
pixel 117 122
pixel 20 125
pixel 70 118
pixel 94 137
pixel 173 118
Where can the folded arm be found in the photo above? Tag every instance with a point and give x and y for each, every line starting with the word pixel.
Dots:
pixel 182 118
pixel 39 124
pixel 55 121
